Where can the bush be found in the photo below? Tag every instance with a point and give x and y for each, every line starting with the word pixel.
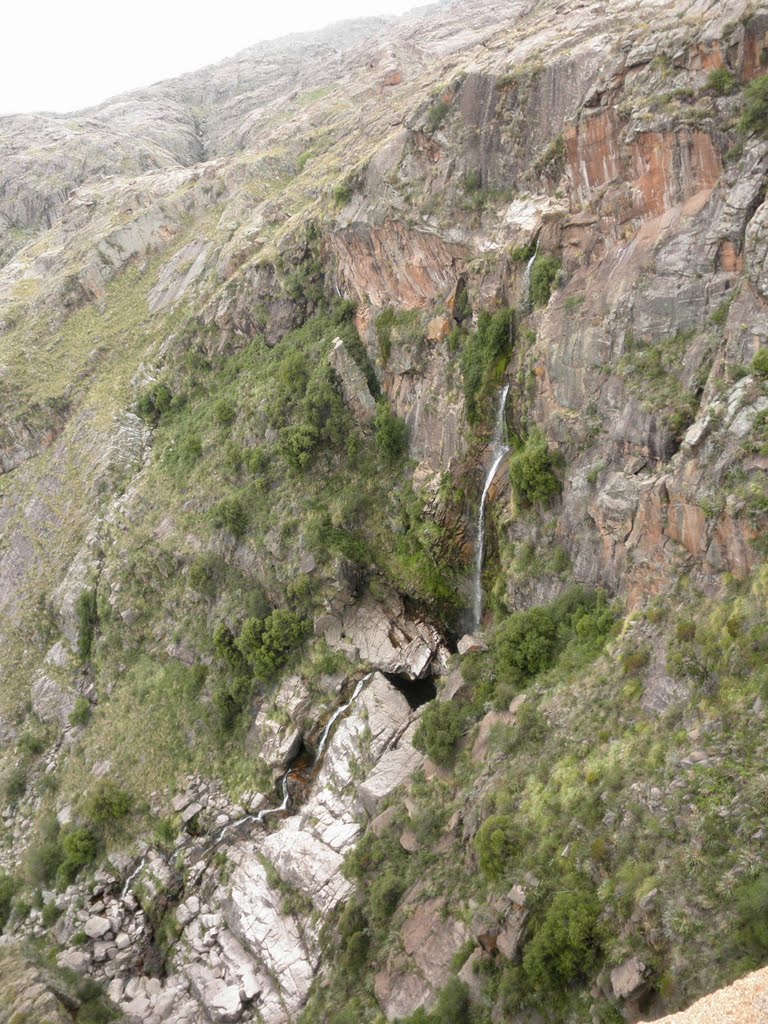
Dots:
pixel 543 275
pixel 80 847
pixel 8 887
pixel 496 843
pixel 532 471
pixel 81 711
pixel 385 321
pixel 385 893
pixel 107 804
pixel 755 116
pixel 87 618
pixel 440 728
pixel 484 359
pixel 15 785
pixel 391 433
pixel 267 645
pixel 525 643
pixel 751 930
pixel 437 114
pixel 566 946
pixel 231 514
pixel 760 364
pixel 155 401
pixel 342 194
pixel 721 82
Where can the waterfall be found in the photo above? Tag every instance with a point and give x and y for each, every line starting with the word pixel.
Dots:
pixel 499 450
pixel 133 874
pixel 337 714
pixel 526 297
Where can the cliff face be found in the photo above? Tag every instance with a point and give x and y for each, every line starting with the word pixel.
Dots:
pixel 254 323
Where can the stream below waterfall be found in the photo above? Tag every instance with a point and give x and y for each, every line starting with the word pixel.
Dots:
pixel 304 769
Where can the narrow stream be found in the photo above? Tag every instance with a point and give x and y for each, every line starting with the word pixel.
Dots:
pixel 527 302
pixel 499 449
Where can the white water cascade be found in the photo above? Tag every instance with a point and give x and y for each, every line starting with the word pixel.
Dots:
pixel 527 303
pixel 498 449
pixel 337 714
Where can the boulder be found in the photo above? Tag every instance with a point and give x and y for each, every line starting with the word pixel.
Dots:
pixel 96 927
pixel 629 979
pixel 383 634
pixel 471 644
pixel 51 702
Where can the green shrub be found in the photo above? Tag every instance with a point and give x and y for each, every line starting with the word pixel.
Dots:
pixel 567 945
pixel 522 253
pixel 532 471
pixel 391 433
pixel 297 445
pixel 484 360
pixel 342 194
pixel 267 645
pixel 750 932
pixel 87 618
pixel 206 572
pixel 81 711
pixel 721 82
pixel 225 412
pixel 15 784
pixel 227 649
pixel 755 116
pixel 46 856
pixel 8 888
pixel 385 321
pixel 384 895
pixel 155 401
pixel 107 805
pixel 525 643
pixel 440 728
pixel 437 114
pixel 496 843
pixel 543 275
pixel 452 1006
pixel 231 514
pixel 760 364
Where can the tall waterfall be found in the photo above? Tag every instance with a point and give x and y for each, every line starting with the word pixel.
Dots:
pixel 498 449
pixel 527 303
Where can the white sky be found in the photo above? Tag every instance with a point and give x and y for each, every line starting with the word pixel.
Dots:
pixel 65 54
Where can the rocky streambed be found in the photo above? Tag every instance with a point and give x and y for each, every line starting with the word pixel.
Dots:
pixel 226 926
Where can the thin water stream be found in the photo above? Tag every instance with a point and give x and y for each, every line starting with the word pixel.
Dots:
pixel 498 449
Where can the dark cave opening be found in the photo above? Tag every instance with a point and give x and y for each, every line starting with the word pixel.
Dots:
pixel 415 691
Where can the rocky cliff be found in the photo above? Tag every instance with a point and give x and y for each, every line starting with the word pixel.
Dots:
pixel 255 324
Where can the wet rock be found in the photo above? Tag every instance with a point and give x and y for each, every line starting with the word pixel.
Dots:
pixel 471 644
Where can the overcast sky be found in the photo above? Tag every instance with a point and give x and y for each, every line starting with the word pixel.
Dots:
pixel 66 54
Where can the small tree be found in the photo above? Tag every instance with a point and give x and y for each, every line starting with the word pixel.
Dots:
pixel 496 843
pixel 440 729
pixel 755 116
pixel 391 433
pixel 543 275
pixel 532 471
pixel 567 945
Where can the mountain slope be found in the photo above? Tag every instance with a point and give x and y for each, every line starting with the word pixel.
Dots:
pixel 252 348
